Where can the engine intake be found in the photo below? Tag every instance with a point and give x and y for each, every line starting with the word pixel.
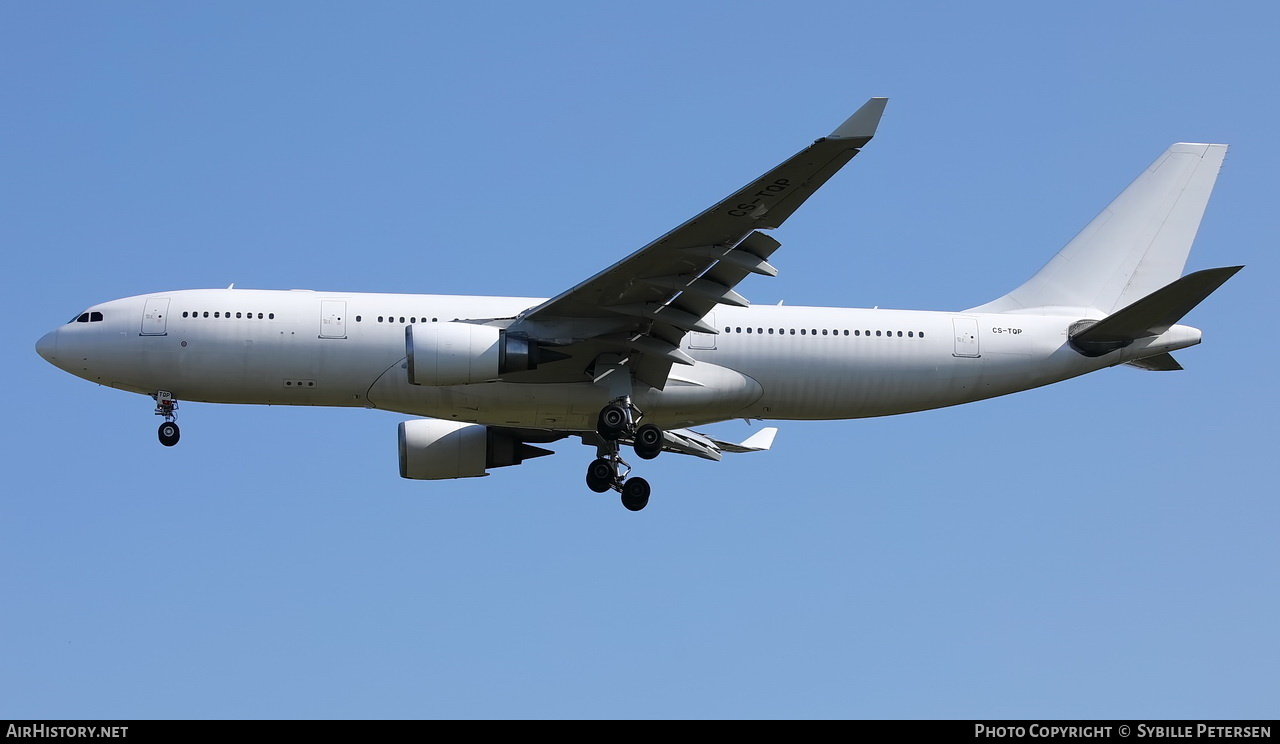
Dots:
pixel 432 449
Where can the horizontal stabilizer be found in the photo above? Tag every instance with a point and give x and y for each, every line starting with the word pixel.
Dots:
pixel 1151 315
pixel 1157 363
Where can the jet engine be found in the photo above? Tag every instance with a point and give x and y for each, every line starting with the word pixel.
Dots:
pixel 455 353
pixel 432 449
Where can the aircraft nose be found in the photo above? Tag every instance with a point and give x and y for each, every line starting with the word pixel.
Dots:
pixel 47 346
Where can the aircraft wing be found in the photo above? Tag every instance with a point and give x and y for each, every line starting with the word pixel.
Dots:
pixel 642 306
pixel 689 442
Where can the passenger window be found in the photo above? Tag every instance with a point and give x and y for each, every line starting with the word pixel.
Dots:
pixel 877 334
pixel 206 313
pixel 271 316
pixel 899 334
pixel 846 333
pixel 184 313
pixel 921 334
pixel 770 331
pixel 857 333
pixel 824 331
pixel 748 329
pixel 793 331
pixel 259 316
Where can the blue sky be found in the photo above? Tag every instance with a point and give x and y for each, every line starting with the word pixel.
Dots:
pixel 1100 548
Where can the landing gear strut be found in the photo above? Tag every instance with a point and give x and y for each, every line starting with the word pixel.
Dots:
pixel 165 406
pixel 609 471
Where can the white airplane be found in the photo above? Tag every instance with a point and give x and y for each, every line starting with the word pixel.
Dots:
pixel 661 341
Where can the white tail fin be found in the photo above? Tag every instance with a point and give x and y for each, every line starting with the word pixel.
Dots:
pixel 1137 245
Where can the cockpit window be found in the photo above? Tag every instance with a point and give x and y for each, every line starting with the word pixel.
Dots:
pixel 94 317
pixel 84 318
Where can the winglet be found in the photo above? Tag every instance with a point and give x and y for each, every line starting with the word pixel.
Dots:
pixel 758 442
pixel 761 440
pixel 863 123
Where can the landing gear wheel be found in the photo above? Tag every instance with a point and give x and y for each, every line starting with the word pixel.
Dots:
pixel 600 475
pixel 635 494
pixel 168 433
pixel 648 442
pixel 612 422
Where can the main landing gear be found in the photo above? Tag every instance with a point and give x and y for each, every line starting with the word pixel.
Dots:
pixel 165 406
pixel 609 471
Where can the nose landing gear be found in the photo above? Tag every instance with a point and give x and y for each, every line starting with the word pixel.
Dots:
pixel 165 406
pixel 609 471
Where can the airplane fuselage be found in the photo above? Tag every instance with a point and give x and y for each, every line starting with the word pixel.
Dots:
pixel 661 340
pixel 302 347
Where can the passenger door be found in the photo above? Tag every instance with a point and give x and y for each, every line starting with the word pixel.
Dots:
pixel 333 319
pixel 153 316
pixel 966 337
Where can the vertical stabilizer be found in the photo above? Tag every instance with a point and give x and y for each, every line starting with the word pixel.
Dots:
pixel 1137 245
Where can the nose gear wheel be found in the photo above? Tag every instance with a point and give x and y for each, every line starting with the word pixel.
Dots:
pixel 168 432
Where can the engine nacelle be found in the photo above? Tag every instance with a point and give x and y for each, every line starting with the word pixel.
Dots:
pixel 464 353
pixel 432 449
